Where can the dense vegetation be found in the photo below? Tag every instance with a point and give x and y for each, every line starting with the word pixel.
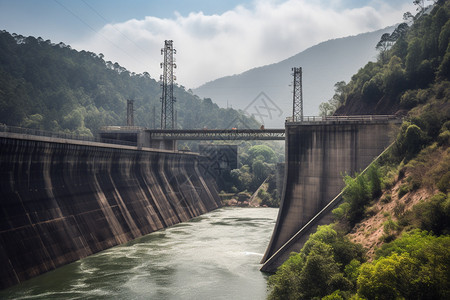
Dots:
pixel 410 60
pixel 53 87
pixel 257 163
pixel 412 179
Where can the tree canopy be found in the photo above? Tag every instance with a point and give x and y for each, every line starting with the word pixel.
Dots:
pixel 50 86
pixel 414 56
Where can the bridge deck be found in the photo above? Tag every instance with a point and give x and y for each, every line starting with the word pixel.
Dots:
pixel 307 120
pixel 217 134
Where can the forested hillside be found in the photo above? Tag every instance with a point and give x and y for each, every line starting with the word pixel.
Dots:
pixel 391 235
pixel 410 61
pixel 53 87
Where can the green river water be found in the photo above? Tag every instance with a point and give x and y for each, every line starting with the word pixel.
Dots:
pixel 214 256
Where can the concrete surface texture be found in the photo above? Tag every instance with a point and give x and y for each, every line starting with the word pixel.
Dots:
pixel 318 155
pixel 62 200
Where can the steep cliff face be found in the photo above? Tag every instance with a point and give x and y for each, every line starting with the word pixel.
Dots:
pixel 61 201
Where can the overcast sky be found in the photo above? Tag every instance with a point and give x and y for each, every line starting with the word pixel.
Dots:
pixel 212 38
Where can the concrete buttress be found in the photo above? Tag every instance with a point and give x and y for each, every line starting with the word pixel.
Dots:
pixel 318 154
pixel 62 200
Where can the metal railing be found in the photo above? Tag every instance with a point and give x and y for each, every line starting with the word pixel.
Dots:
pixel 60 135
pixel 217 134
pixel 121 128
pixel 307 119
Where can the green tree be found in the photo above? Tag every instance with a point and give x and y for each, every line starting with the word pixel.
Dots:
pixel 328 108
pixel 434 214
pixel 374 178
pixel 410 140
pixel 38 77
pixel 264 151
pixel 34 121
pixel 357 195
pixel 413 59
pixel 318 272
pixel 394 79
pixel 384 45
pixel 318 269
pixel 414 266
pixel 388 278
pixel 372 90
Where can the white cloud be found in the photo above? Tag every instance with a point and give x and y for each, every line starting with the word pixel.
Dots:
pixel 212 46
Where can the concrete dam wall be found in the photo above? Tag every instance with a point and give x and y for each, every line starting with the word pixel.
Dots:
pixel 62 200
pixel 318 154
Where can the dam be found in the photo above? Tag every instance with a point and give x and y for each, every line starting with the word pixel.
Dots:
pixel 319 151
pixel 64 199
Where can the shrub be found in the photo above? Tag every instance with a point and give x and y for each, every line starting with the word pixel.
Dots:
pixel 409 99
pixel 386 199
pixel 371 211
pixel 444 138
pixel 444 183
pixel 414 139
pixel 399 208
pixel 243 196
pixel 390 228
pixel 434 214
pixel 336 295
pixel 403 190
pixel 357 195
pixel 374 178
pixel 341 212
pixel 410 140
pixel 444 134
pixel 406 219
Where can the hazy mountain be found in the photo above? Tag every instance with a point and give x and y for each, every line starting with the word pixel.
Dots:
pixel 53 87
pixel 266 92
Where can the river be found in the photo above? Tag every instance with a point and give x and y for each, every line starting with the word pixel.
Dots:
pixel 214 256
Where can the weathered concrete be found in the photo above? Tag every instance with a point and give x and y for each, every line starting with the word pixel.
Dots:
pixel 62 200
pixel 317 156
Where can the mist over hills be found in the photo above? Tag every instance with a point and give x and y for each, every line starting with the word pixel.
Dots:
pixel 265 92
pixel 53 87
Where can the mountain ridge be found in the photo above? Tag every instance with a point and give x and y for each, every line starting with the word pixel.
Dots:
pixel 53 87
pixel 318 78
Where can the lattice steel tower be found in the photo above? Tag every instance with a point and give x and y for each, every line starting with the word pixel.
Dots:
pixel 297 111
pixel 167 98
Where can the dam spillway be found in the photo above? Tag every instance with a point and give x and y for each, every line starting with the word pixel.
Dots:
pixel 62 200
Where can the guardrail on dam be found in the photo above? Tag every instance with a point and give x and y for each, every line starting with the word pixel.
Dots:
pixel 62 200
pixel 318 153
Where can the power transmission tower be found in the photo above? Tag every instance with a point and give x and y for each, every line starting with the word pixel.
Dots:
pixel 297 111
pixel 167 98
pixel 154 117
pixel 130 113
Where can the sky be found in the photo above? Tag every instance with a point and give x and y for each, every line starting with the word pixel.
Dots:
pixel 212 38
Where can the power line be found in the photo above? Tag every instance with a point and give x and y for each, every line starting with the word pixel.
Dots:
pixel 109 22
pixel 97 32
